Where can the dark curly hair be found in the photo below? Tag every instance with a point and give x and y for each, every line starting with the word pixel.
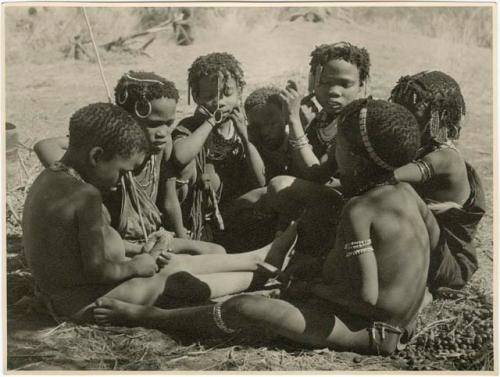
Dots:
pixel 107 126
pixel 437 92
pixel 342 51
pixel 392 131
pixel 263 96
pixel 136 87
pixel 208 65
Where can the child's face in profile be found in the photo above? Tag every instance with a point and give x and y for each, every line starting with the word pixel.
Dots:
pixel 269 122
pixel 106 174
pixel 158 126
pixel 338 86
pixel 229 95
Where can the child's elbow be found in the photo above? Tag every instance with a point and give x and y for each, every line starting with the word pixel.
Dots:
pixel 96 274
pixel 370 296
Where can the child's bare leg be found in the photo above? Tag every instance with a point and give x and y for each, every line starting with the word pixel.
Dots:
pixel 304 324
pixel 199 288
pixel 274 254
pixel 193 247
pixel 108 311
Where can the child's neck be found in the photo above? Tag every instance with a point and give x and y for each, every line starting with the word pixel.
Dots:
pixel 75 161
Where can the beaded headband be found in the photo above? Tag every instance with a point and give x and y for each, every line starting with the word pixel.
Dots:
pixel 124 96
pixel 366 142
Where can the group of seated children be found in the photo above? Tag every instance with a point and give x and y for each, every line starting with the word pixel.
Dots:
pixel 379 205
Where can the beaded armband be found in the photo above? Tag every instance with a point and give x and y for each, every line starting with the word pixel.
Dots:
pixel 355 248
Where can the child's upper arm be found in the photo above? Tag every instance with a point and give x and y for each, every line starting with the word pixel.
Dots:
pixel 430 222
pixel 444 161
pixel 357 221
pixel 90 227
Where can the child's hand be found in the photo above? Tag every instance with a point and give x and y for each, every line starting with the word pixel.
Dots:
pixel 291 101
pixel 159 240
pixel 145 265
pixel 240 122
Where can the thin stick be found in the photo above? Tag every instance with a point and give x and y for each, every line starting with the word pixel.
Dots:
pixel 139 211
pixel 434 324
pixel 101 69
pixel 25 169
pixel 14 214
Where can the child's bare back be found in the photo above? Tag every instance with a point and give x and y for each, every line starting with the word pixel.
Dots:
pixel 52 212
pixel 399 225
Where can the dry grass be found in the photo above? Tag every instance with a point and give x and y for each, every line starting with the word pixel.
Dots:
pixel 43 90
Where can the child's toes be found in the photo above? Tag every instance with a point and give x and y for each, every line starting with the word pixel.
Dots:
pixel 101 311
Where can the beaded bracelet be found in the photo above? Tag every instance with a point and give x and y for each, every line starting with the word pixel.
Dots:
pixel 219 322
pixel 356 252
pixel 299 142
pixel 357 244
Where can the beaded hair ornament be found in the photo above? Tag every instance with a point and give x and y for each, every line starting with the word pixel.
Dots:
pixel 142 101
pixel 368 145
pixel 315 73
pixel 440 101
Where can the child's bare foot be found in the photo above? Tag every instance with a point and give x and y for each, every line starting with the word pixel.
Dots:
pixel 426 300
pixel 109 311
pixel 279 252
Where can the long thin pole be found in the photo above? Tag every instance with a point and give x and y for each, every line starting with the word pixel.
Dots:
pixel 101 69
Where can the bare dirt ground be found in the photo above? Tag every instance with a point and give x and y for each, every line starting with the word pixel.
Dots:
pixel 41 97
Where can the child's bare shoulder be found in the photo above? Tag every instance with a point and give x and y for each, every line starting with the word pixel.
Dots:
pixel 385 198
pixel 445 160
pixel 77 193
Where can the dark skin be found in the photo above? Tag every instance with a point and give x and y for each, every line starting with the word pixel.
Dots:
pixel 77 257
pixel 158 127
pixel 68 242
pixel 385 285
pixel 217 93
pixel 450 182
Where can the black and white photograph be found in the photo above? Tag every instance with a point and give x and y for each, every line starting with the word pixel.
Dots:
pixel 249 187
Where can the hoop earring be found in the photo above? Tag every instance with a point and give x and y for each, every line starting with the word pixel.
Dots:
pixel 150 109
pixel 123 97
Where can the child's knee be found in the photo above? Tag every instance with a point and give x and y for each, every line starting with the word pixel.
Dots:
pixel 183 285
pixel 241 306
pixel 218 249
pixel 279 183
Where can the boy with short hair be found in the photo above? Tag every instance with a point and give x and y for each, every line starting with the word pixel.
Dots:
pixel 442 177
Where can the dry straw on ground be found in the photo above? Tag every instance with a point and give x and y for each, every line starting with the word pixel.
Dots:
pixel 43 89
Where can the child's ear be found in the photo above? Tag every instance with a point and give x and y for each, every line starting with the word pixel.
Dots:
pixel 95 155
pixel 195 96
pixel 363 89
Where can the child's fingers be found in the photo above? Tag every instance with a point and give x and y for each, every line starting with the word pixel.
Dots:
pixel 290 84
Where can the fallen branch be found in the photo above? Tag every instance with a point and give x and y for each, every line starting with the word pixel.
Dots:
pixel 122 40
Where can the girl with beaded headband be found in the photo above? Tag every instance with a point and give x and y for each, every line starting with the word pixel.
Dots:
pixel 442 177
pixel 373 281
pixel 211 148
